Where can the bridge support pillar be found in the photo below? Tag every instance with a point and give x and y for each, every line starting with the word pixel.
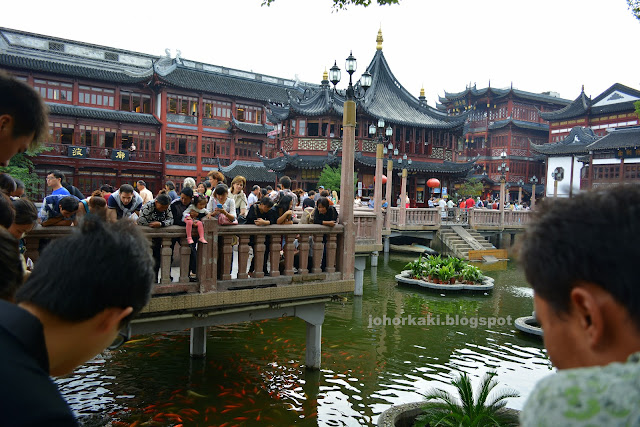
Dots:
pixel 198 345
pixel 313 315
pixel 360 265
pixel 386 244
pixel 374 259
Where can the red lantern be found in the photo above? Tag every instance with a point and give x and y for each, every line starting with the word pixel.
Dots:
pixel 433 183
pixel 384 179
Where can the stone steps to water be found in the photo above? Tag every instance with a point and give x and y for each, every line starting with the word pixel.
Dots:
pixel 460 240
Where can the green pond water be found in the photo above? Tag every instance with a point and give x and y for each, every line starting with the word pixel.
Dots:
pixel 254 372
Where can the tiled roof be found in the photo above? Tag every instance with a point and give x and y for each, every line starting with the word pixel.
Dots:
pixel 416 166
pixel 211 82
pixel 102 114
pixel 578 107
pixel 614 107
pixel 495 94
pixel 255 128
pixel 68 69
pixel 575 143
pixel 251 171
pixel 387 99
pixel 521 124
pixel 280 163
pixel 619 138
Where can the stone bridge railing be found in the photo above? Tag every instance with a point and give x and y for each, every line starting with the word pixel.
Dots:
pixel 415 218
pixel 215 260
pixel 490 219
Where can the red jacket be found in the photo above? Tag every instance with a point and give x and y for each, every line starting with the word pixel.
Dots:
pixel 470 202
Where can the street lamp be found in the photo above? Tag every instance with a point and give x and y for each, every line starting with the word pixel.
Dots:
pixel 520 184
pixel 380 151
pixel 503 169
pixel 533 181
pixel 348 149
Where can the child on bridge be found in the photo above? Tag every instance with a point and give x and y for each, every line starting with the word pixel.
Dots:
pixel 193 216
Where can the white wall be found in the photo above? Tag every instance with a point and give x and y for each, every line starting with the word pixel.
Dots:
pixel 564 185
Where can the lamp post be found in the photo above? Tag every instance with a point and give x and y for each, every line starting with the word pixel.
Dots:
pixel 380 151
pixel 533 181
pixel 348 141
pixel 403 190
pixel 503 169
pixel 520 184
pixel 390 150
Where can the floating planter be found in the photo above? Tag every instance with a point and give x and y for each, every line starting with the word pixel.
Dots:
pixel 528 325
pixel 445 274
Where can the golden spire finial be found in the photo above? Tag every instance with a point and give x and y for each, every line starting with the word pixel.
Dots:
pixel 325 75
pixel 379 39
pixel 422 92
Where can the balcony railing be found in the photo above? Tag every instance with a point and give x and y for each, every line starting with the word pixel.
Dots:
pixel 104 153
pixel 216 268
pixel 490 219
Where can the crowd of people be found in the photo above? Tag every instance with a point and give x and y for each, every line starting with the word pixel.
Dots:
pixel 63 314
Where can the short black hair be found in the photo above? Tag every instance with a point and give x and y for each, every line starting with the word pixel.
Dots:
pixel 284 203
pixel 163 199
pixel 255 187
pixel 267 202
pixel 269 188
pixel 72 291
pixel 58 174
pixel 285 181
pixel 10 265
pixel 221 189
pixel 19 184
pixel 107 188
pixel 7 183
pixel 7 212
pixel 592 237
pixel 324 202
pixel 171 185
pixel 263 191
pixel 24 104
pixel 26 212
pixel 126 188
pixel 69 203
pixel 187 191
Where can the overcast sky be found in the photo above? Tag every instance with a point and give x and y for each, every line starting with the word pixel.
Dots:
pixel 543 45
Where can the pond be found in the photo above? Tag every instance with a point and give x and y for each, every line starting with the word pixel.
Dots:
pixel 254 372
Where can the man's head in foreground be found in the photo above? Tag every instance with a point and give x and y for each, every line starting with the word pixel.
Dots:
pixel 580 256
pixel 23 118
pixel 82 312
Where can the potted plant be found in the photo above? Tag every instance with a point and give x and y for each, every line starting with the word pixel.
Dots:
pixel 443 409
pixel 446 273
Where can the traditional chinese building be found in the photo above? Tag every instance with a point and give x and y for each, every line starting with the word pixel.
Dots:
pixel 309 134
pixel 118 116
pixel 613 108
pixel 502 120
pixel 586 160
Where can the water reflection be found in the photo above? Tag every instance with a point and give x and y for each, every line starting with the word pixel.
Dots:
pixel 254 372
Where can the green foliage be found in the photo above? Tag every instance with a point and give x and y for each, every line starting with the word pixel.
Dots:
pixel 330 178
pixel 21 167
pixel 444 269
pixel 634 5
pixel 637 103
pixel 478 411
pixel 343 4
pixel 471 187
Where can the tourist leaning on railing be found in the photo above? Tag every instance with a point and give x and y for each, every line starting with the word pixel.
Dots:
pixel 59 210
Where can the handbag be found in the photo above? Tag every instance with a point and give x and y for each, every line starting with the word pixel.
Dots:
pixel 223 220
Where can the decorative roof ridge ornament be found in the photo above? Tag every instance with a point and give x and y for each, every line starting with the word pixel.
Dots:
pixel 379 39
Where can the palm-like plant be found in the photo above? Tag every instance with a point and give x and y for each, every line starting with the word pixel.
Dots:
pixel 446 410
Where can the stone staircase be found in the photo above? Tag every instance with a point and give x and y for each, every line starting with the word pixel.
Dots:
pixel 460 240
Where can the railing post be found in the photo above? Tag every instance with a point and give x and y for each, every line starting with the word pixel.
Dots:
pixel 185 256
pixel 165 260
pixel 317 253
pixel 243 256
pixel 259 250
pixel 303 254
pixel 289 251
pixel 207 256
pixel 331 253
pixel 274 255
pixel 227 257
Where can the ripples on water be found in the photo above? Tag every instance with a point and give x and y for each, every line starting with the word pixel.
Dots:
pixel 254 372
